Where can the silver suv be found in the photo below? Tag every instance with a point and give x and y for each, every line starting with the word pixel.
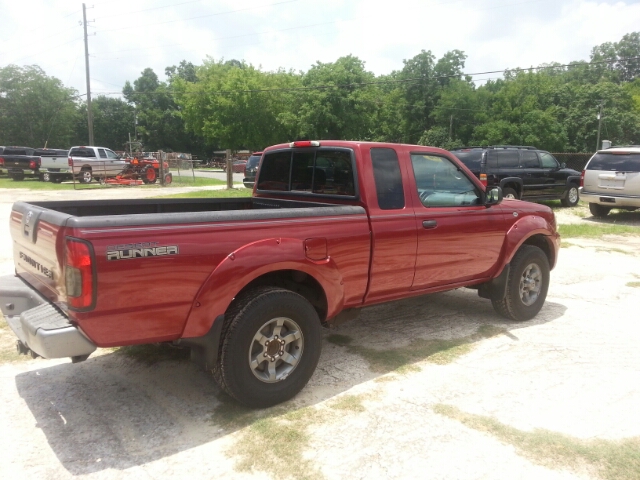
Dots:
pixel 611 179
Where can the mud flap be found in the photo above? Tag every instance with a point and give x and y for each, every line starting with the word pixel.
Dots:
pixel 496 289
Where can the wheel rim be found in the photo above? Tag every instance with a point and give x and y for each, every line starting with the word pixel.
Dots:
pixel 46 177
pixel 530 284
pixel 151 174
pixel 86 176
pixel 573 195
pixel 509 195
pixel 276 350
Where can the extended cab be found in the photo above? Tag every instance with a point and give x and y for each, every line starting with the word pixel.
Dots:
pixel 246 283
pixel 87 163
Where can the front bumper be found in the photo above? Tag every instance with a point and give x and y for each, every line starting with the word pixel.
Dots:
pixel 612 200
pixel 38 324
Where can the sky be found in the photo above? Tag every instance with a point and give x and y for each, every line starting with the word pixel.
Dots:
pixel 125 37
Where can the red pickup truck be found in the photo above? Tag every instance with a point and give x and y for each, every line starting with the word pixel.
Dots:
pixel 332 226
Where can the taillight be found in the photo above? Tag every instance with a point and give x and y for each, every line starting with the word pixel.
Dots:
pixel 305 143
pixel 70 161
pixel 1 161
pixel 582 179
pixel 483 179
pixel 33 164
pixel 79 274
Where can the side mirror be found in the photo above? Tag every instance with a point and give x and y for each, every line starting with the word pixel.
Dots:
pixel 493 196
pixel 563 165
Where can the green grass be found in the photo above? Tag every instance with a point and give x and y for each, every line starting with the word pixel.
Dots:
pixel 36 184
pixel 633 284
pixel 402 359
pixel 596 230
pixel 233 193
pixel 608 459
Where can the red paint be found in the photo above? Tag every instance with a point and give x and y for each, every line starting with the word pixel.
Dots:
pixel 358 260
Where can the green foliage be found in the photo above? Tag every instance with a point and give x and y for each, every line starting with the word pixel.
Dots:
pixel 35 109
pixel 113 122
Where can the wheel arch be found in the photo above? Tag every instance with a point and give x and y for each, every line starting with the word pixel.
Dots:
pixel 514 183
pixel 320 282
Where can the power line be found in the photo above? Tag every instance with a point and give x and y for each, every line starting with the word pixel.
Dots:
pixel 384 82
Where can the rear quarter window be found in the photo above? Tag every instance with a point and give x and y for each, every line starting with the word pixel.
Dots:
pixel 616 162
pixel 472 159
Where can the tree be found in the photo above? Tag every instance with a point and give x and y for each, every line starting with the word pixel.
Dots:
pixel 339 103
pixel 35 109
pixel 237 106
pixel 113 122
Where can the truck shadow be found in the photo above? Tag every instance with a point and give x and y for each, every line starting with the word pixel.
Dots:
pixel 124 409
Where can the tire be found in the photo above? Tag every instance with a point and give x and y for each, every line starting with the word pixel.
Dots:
pixel 527 285
pixel 168 178
pixel 599 211
pixel 149 175
pixel 571 197
pixel 45 177
pixel 18 177
pixel 508 192
pixel 56 179
pixel 257 367
pixel 86 176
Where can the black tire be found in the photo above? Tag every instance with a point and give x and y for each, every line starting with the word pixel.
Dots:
pixel 56 179
pixel 18 177
pixel 571 196
pixel 85 175
pixel 509 192
pixel 599 211
pixel 515 305
pixel 149 175
pixel 251 313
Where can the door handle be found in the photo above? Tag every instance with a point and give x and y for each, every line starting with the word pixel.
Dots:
pixel 429 223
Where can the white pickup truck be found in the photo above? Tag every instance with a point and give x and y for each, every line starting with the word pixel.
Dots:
pixel 54 166
pixel 88 163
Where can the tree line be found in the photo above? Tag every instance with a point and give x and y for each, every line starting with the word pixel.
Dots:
pixel 233 104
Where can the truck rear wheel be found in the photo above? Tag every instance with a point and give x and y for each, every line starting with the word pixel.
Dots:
pixel 86 176
pixel 270 348
pixel 527 285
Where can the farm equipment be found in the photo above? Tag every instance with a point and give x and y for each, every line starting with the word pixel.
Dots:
pixel 141 170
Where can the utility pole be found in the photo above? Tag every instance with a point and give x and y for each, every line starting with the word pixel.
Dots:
pixel 86 61
pixel 450 127
pixel 599 125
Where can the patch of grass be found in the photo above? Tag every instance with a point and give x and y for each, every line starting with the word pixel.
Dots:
pixel 596 230
pixel 402 359
pixel 150 354
pixel 633 284
pixel 233 193
pixel 188 181
pixel 613 249
pixel 36 184
pixel 351 403
pixel 8 353
pixel 609 459
pixel 569 244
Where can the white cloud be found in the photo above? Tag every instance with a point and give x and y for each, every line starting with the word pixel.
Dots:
pixel 294 34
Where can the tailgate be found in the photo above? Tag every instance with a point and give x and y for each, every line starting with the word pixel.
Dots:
pixel 38 249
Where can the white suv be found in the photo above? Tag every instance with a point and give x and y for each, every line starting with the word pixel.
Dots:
pixel 611 179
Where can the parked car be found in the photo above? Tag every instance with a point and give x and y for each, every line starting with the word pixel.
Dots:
pixel 238 166
pixel 332 227
pixel 21 162
pixel 3 170
pixel 251 168
pixel 54 165
pixel 522 172
pixel 611 179
pixel 89 162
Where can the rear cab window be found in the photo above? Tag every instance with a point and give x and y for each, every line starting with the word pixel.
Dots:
pixel 615 162
pixel 321 171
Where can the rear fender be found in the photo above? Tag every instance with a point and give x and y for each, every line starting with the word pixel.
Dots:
pixel 524 229
pixel 251 261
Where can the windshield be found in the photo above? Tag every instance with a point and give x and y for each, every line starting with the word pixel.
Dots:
pixel 253 161
pixel 615 162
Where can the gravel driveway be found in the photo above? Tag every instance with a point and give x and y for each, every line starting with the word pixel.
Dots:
pixel 388 399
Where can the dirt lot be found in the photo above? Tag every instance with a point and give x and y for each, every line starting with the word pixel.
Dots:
pixel 435 387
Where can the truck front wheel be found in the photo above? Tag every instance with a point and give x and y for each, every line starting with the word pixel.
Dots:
pixel 527 285
pixel 270 348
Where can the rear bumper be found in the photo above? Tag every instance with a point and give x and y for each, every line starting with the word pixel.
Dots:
pixel 610 199
pixel 38 324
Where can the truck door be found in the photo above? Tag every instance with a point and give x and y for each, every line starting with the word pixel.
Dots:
pixel 393 228
pixel 459 239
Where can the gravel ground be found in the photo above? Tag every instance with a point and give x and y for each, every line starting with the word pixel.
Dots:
pixel 574 370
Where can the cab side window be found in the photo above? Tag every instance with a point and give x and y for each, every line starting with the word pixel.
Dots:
pixel 529 159
pixel 441 184
pixel 102 153
pixel 388 179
